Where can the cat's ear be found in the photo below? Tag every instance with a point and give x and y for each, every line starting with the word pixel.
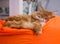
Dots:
pixel 40 7
pixel 54 12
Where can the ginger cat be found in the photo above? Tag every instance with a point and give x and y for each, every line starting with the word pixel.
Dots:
pixel 44 14
pixel 23 21
pixel 35 21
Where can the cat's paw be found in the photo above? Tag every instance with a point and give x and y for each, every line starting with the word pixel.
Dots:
pixel 38 32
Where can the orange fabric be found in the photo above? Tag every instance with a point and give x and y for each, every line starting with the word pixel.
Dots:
pixel 11 31
pixel 1 23
pixel 50 34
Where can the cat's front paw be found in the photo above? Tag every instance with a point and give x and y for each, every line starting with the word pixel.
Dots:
pixel 38 32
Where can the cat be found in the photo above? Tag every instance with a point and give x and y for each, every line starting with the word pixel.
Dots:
pixel 24 22
pixel 43 14
pixel 35 21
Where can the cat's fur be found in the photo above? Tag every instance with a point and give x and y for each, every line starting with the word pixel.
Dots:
pixel 32 21
pixel 44 14
pixel 23 21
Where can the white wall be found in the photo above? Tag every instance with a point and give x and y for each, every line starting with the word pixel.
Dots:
pixel 54 5
pixel 16 7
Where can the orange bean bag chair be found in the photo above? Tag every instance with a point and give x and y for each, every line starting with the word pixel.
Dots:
pixel 50 34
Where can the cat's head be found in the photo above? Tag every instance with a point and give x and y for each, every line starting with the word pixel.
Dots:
pixel 46 14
